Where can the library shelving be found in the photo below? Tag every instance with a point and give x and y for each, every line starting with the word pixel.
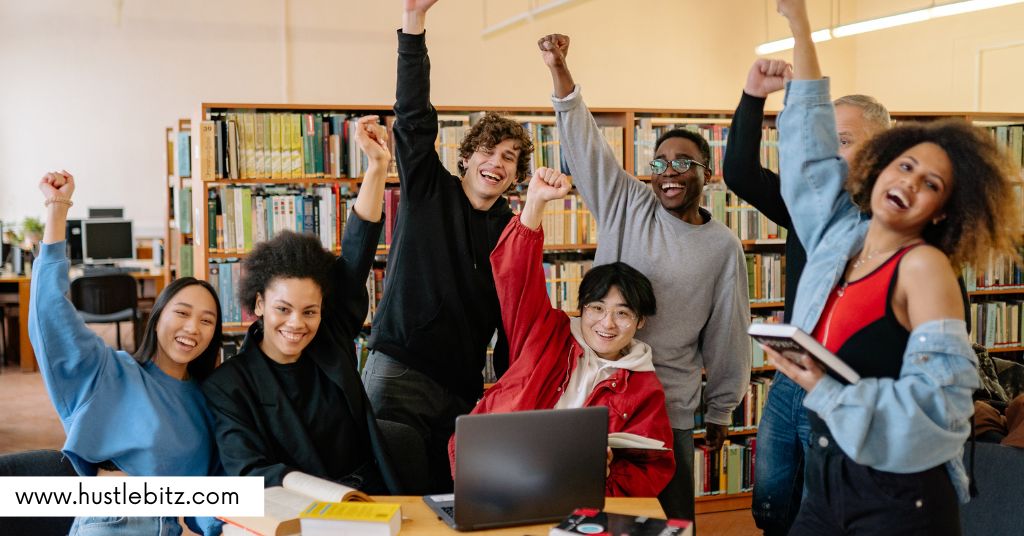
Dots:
pixel 178 230
pixel 302 151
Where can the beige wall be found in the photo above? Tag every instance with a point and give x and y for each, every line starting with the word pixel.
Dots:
pixel 89 91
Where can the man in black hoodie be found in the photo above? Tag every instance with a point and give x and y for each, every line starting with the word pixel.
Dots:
pixel 440 309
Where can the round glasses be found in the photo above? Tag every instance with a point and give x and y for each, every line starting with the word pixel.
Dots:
pixel 596 312
pixel 682 165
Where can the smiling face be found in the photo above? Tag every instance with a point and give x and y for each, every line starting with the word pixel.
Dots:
pixel 913 189
pixel 609 324
pixel 678 192
pixel 290 308
pixel 489 173
pixel 184 329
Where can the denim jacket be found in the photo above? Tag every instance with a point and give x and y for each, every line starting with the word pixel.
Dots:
pixel 906 425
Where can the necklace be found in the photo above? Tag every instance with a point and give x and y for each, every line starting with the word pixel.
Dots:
pixel 861 259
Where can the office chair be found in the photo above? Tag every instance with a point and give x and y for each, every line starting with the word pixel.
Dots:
pixel 107 298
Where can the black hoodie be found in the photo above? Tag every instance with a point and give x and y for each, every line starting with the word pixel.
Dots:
pixel 440 307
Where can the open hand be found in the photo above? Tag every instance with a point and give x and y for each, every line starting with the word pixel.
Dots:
pixel 548 184
pixel 806 374
pixel 553 49
pixel 373 138
pixel 766 77
pixel 57 184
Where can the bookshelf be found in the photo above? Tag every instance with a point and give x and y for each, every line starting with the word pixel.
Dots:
pixel 178 230
pixel 568 250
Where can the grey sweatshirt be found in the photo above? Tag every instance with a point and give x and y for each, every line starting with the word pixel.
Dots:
pixel 698 272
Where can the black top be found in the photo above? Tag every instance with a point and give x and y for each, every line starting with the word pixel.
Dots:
pixel 760 186
pixel 440 308
pixel 325 413
pixel 261 430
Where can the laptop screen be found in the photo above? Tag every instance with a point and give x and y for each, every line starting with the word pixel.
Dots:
pixel 529 466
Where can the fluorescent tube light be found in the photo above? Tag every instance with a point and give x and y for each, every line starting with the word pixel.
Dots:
pixel 786 44
pixel 910 17
pixel 880 23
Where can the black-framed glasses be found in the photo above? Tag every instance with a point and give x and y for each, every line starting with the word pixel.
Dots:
pixel 597 311
pixel 682 165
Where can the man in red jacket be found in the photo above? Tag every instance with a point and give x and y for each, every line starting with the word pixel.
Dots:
pixel 562 362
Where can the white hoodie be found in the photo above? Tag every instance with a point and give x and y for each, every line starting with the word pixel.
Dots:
pixel 592 369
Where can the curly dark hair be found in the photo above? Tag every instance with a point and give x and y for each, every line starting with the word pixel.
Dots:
pixel 287 255
pixel 491 130
pixel 981 217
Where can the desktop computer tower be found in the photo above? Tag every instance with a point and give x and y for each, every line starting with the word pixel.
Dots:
pixel 73 236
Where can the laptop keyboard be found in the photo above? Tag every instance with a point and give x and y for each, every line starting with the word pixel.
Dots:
pixel 450 510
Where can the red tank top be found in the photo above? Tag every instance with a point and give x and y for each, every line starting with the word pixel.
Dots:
pixel 858 323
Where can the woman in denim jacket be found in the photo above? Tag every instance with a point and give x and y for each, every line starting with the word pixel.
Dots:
pixel 885 234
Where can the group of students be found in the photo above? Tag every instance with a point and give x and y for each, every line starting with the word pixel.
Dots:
pixel 883 216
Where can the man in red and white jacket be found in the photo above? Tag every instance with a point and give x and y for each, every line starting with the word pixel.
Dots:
pixel 562 362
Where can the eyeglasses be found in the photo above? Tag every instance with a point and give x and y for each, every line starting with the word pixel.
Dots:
pixel 596 312
pixel 682 165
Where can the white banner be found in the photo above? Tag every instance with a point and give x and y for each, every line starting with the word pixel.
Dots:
pixel 65 496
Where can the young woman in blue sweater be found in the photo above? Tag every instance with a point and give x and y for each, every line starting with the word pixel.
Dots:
pixel 136 415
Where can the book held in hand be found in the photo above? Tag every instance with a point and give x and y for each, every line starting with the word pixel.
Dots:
pixel 794 344
pixel 351 518
pixel 285 503
pixel 596 522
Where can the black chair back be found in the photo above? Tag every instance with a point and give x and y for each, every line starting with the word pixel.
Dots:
pixel 104 294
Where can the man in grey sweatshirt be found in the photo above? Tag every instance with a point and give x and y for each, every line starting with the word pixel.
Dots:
pixel 696 265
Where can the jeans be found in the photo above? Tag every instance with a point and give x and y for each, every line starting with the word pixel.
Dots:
pixel 782 436
pixel 845 497
pixel 402 394
pixel 677 497
pixel 125 526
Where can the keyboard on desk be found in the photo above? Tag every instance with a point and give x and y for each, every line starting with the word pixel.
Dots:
pixel 111 270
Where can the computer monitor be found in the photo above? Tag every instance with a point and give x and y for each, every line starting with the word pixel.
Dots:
pixel 107 241
pixel 112 212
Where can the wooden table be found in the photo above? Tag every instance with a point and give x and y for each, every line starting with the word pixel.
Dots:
pixel 418 519
pixel 23 283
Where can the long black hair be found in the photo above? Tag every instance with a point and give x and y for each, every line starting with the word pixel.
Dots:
pixel 200 367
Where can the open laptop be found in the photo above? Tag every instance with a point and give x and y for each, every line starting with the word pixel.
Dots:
pixel 526 467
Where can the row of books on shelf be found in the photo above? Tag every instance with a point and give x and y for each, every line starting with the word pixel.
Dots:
pixel 766 277
pixel 742 218
pixel 1011 137
pixel 181 198
pixel 281 146
pixel 240 216
pixel 225 275
pixel 999 273
pixel 646 134
pixel 748 412
pixel 563 281
pixel 996 323
pixel 730 470
pixel 568 222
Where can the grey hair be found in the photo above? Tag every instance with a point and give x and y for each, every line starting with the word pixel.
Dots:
pixel 874 111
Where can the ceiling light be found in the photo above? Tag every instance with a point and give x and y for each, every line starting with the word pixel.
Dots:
pixel 910 17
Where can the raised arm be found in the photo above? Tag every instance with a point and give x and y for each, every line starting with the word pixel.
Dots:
pixel 741 167
pixel 70 355
pixel 606 188
pixel 415 125
pixel 373 140
pixel 518 266
pixel 812 171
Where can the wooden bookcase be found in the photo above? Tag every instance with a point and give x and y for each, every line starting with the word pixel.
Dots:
pixel 176 232
pixel 632 121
